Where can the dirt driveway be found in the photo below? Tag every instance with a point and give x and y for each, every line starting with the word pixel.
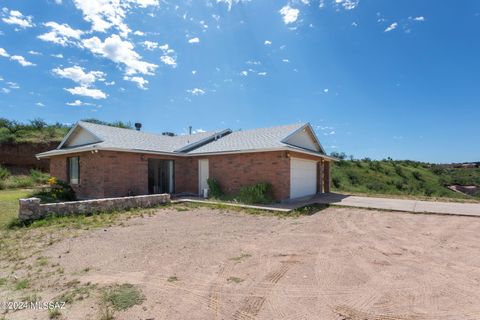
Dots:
pixel 341 263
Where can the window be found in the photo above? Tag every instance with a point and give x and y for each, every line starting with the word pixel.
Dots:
pixel 74 170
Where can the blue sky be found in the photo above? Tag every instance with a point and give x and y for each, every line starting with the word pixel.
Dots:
pixel 377 78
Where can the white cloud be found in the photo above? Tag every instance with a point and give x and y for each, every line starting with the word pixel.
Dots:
pixel 22 61
pixel 121 52
pixel 347 4
pixel 194 40
pixel 34 53
pixel 17 18
pixel 139 33
pixel 267 42
pixel 5 90
pixel 4 53
pixel 391 27
pixel 230 3
pixel 78 103
pixel 150 45
pixel 198 131
pixel 140 81
pixel 194 72
pixel 169 61
pixel 39 104
pixel 325 90
pixel 87 92
pixel 58 55
pixel 13 85
pixel 330 133
pixel 61 34
pixel 196 91
pixel 262 74
pixel 285 60
pixel 244 73
pixel 79 76
pixel 289 14
pixel 421 18
pixel 106 14
pixel 17 58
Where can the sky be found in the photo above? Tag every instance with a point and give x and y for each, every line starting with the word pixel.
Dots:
pixel 374 78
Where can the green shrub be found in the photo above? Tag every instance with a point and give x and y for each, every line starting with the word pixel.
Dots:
pixel 39 176
pixel 337 182
pixel 258 193
pixel 123 296
pixel 21 182
pixel 214 187
pixel 4 173
pixel 59 191
pixel 417 175
pixel 354 179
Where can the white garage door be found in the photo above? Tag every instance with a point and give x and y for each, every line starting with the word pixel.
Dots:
pixel 303 177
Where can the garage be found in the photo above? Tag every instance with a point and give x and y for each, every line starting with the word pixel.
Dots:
pixel 303 177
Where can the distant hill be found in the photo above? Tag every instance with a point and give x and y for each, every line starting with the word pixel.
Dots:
pixel 406 178
pixel 38 131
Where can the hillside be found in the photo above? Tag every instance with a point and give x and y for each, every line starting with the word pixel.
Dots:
pixel 38 131
pixel 403 178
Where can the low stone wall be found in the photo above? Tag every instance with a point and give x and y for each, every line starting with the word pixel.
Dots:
pixel 31 209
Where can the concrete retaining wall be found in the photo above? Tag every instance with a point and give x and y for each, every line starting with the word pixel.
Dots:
pixel 31 209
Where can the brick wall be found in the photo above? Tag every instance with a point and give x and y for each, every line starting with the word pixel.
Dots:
pixel 116 174
pixel 236 170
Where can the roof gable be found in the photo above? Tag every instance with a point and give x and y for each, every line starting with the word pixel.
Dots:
pixel 255 139
pixel 304 138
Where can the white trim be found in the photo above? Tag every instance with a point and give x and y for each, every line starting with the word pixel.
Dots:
pixel 306 125
pixel 172 154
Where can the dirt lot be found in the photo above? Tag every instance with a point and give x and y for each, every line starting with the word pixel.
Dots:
pixel 337 264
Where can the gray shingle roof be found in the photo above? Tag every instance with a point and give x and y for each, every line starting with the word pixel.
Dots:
pixel 264 138
pixel 113 137
pixel 195 144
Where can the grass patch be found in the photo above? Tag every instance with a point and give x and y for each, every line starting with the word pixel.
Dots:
pixel 172 279
pixel 22 284
pixel 235 279
pixel 241 257
pixel 54 313
pixel 76 292
pixel 9 204
pixel 123 296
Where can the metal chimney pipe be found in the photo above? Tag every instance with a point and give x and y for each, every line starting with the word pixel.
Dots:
pixel 138 126
pixel 189 129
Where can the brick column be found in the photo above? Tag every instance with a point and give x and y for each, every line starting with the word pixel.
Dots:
pixel 326 176
pixel 320 176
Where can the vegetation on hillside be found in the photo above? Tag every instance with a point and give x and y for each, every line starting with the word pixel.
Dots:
pixel 34 178
pixel 37 130
pixel 401 178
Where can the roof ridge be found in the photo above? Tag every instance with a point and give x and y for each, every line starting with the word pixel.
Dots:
pixel 144 132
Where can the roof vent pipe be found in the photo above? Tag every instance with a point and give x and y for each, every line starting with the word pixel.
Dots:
pixel 189 129
pixel 138 126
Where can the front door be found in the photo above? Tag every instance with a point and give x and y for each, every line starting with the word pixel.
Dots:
pixel 160 176
pixel 202 175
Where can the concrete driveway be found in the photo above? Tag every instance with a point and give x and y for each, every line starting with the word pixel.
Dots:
pixel 417 206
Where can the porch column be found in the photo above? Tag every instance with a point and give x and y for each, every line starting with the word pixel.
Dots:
pixel 326 176
pixel 320 176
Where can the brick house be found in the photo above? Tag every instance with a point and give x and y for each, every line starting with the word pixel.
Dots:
pixel 100 161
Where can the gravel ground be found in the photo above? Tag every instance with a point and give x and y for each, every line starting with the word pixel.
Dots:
pixel 340 263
